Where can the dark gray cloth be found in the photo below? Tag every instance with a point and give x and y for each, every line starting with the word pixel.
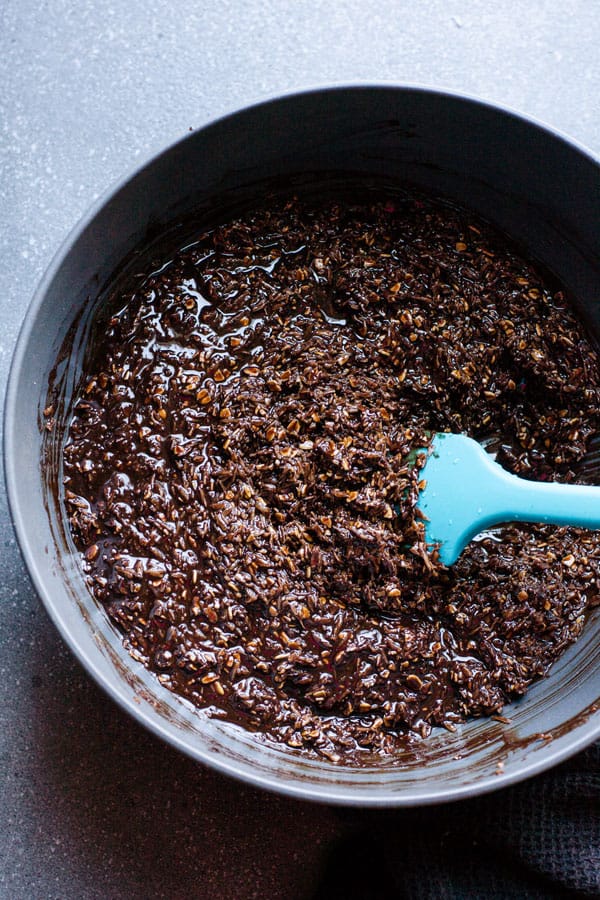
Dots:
pixel 537 840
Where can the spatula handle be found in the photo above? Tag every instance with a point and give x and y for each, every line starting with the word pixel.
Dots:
pixel 555 504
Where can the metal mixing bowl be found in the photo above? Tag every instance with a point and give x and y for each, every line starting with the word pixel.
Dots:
pixel 533 183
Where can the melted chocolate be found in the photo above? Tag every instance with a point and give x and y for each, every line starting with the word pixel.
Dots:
pixel 238 471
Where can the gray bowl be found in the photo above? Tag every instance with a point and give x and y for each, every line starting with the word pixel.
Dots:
pixel 533 183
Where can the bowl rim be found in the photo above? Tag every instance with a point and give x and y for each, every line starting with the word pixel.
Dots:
pixel 584 733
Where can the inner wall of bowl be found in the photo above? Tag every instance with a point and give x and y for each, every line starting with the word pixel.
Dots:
pixel 533 185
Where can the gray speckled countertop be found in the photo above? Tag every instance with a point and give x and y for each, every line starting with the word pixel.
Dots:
pixel 93 806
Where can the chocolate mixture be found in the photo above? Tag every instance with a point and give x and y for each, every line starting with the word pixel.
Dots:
pixel 238 481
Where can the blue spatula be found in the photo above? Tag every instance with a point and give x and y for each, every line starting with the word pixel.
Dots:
pixel 466 492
